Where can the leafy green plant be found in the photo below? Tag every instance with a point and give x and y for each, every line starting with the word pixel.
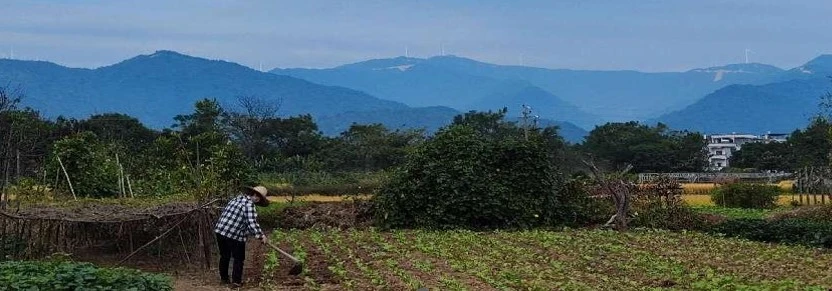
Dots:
pixel 270 266
pixel 745 195
pixel 65 275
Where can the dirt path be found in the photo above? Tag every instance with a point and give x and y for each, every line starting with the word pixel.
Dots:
pixel 200 279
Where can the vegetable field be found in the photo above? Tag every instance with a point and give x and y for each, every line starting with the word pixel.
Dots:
pixel 542 260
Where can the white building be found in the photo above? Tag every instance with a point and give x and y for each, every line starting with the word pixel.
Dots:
pixel 722 146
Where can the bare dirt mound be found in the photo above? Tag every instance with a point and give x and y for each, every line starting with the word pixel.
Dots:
pixel 343 215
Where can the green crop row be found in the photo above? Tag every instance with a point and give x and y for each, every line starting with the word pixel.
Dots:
pixel 562 260
pixel 60 276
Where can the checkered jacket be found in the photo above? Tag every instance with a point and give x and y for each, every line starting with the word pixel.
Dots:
pixel 239 220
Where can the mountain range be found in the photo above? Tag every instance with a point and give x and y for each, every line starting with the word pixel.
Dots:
pixel 787 103
pixel 159 86
pixel 583 97
pixel 426 93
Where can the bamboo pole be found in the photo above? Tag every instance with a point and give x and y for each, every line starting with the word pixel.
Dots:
pixel 130 186
pixel 68 181
pixel 120 178
pixel 186 215
pixel 17 167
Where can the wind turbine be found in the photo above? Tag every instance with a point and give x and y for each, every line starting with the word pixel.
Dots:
pixel 746 54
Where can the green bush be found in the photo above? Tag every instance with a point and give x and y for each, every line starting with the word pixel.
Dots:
pixel 743 195
pixel 671 218
pixel 789 231
pixel 479 179
pixel 89 163
pixel 586 211
pixel 59 276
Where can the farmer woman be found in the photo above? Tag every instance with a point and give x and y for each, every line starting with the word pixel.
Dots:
pixel 237 222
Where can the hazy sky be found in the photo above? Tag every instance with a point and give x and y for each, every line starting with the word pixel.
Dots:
pixel 644 35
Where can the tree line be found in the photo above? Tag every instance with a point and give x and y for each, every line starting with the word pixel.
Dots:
pixel 208 150
pixel 214 148
pixel 808 147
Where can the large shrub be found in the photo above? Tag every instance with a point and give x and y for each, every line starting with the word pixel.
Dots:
pixel 744 195
pixel 89 163
pixel 60 276
pixel 479 173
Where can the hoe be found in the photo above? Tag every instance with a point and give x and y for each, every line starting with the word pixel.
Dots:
pixel 297 267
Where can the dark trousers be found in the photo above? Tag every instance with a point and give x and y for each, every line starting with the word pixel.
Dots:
pixel 231 248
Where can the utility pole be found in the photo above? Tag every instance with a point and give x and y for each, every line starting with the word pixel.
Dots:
pixel 527 113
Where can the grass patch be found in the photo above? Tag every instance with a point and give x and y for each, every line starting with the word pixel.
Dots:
pixel 735 213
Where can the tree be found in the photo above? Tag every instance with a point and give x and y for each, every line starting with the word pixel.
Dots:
pixel 491 124
pixel 206 118
pixel 370 148
pixel 25 137
pixel 201 155
pixel 119 128
pixel 777 156
pixel 247 127
pixel 812 146
pixel 296 136
pixel 645 148
pixel 10 97
pixel 88 163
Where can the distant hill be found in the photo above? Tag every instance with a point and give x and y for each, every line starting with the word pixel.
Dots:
pixel 581 96
pixel 158 86
pixel 776 107
pixel 819 67
pixel 570 132
pixel 419 82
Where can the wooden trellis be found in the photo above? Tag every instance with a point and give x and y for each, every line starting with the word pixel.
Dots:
pixel 813 185
pixel 186 235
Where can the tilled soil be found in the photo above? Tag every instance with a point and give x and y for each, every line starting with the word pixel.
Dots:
pixel 342 215
pixel 315 270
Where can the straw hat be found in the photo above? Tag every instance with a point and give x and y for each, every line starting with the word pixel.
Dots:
pixel 261 192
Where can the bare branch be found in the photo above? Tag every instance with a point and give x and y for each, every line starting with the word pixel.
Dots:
pixel 617 187
pixel 258 108
pixel 10 96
